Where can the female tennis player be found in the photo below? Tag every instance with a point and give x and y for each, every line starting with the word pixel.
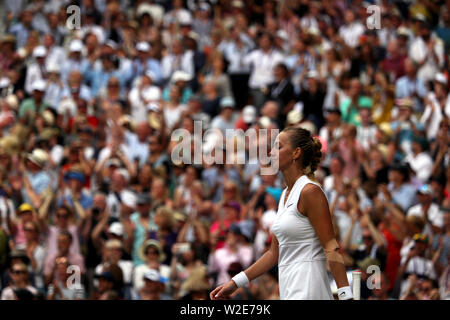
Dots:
pixel 303 232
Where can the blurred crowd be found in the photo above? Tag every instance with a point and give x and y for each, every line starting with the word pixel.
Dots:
pixel 92 205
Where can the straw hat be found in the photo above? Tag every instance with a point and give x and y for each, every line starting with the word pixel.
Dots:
pixel 38 157
pixel 197 281
pixel 151 243
pixel 10 144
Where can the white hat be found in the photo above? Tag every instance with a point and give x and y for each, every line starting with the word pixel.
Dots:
pixel 151 93
pixel 116 228
pixel 184 19
pixel 39 52
pixel 265 122
pixel 153 107
pixel 67 104
pixel 249 114
pixel 143 46
pixel 38 156
pixel 144 8
pixel 76 46
pixel 440 77
pixel 282 34
pixel 181 76
pixel 153 275
pixel 294 116
pixel 227 102
pixel 38 85
pixel 402 31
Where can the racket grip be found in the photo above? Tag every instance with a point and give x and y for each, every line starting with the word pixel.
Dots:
pixel 356 285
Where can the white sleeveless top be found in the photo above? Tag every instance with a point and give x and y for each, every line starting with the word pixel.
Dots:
pixel 301 259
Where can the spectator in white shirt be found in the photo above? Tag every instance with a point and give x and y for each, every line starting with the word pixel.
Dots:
pixel 428 210
pixel 55 87
pixel 177 59
pixel 262 61
pixel 351 30
pixel 141 95
pixel 56 54
pixel 178 13
pixel 138 142
pixel 173 110
pixel 428 51
pixel 74 60
pixel 36 70
pixel 437 106
pixel 367 130
pixel 419 160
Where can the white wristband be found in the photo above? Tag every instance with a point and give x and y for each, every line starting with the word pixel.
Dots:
pixel 240 279
pixel 345 293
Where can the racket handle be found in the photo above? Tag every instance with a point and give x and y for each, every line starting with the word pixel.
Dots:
pixel 356 285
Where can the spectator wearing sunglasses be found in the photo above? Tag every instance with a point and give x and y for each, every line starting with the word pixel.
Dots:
pixel 19 280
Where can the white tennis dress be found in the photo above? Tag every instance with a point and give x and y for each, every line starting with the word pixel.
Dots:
pixel 302 271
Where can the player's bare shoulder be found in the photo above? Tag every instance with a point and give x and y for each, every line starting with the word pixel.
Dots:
pixel 311 196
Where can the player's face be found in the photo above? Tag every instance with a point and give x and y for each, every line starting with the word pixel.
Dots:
pixel 282 151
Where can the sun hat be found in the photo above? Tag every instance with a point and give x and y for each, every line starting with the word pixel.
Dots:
pixel 38 157
pixel 151 243
pixel 197 281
